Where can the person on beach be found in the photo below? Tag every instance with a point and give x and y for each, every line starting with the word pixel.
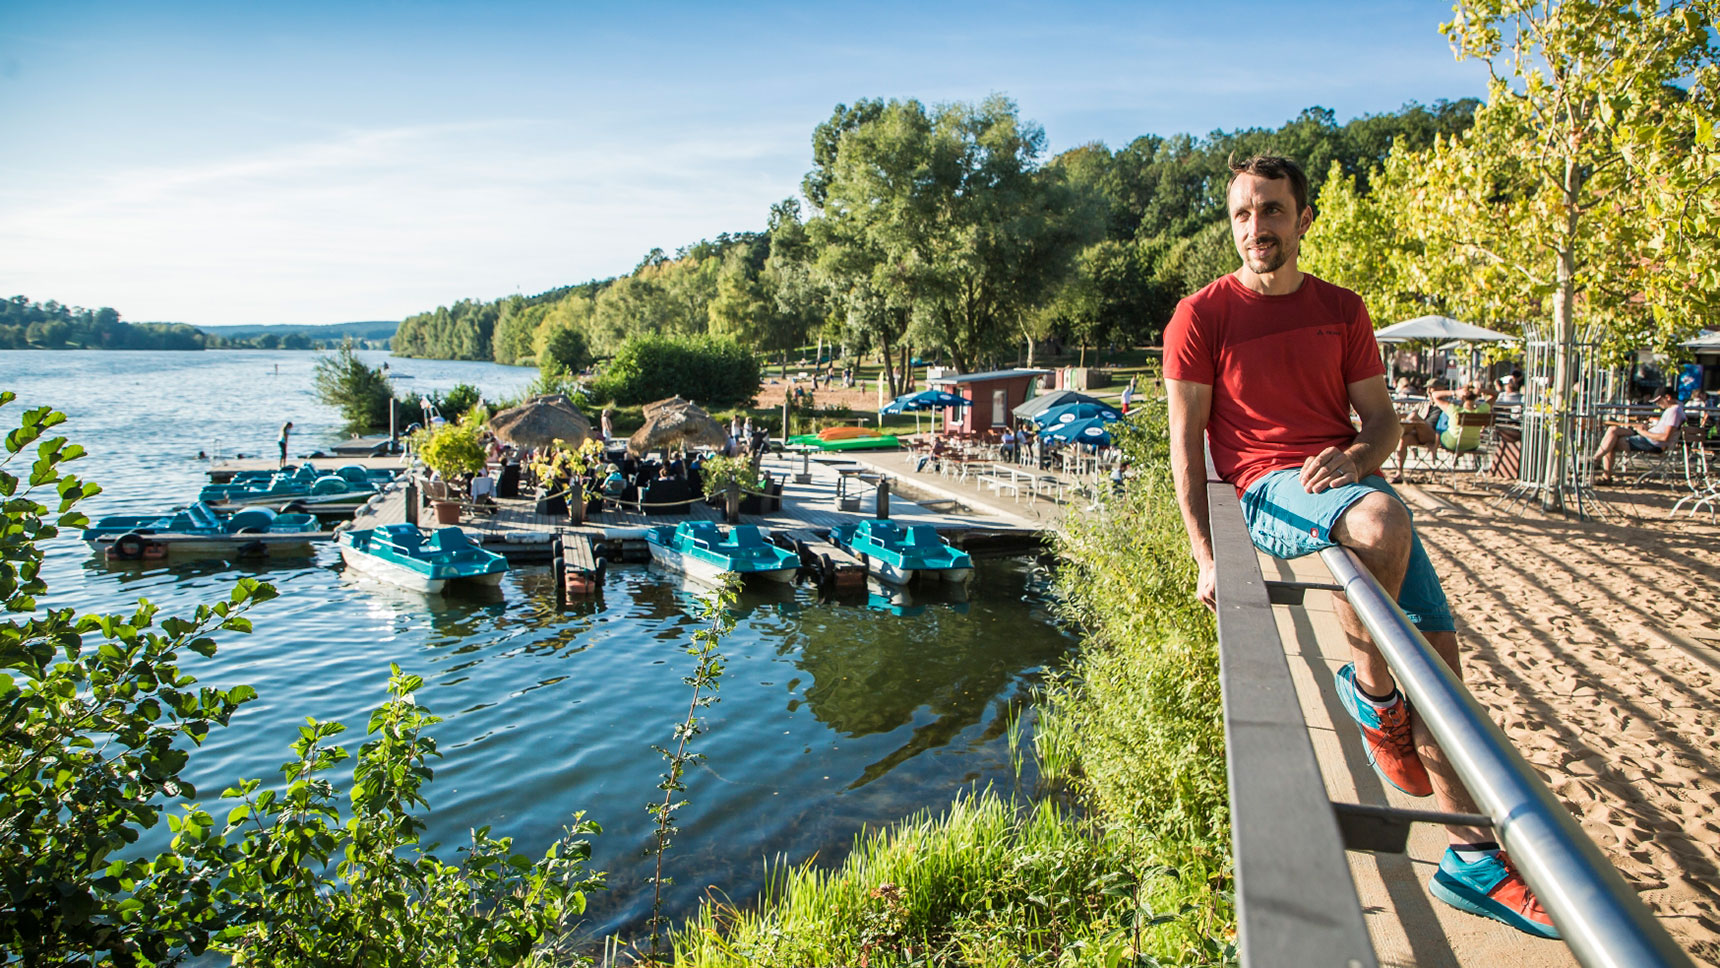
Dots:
pixel 1418 431
pixel 1128 394
pixel 286 431
pixel 606 421
pixel 1264 366
pixel 1648 438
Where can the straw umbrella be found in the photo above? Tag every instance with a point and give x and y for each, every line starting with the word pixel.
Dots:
pixel 675 421
pixel 541 421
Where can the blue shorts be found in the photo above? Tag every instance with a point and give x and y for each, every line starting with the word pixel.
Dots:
pixel 1638 442
pixel 1286 521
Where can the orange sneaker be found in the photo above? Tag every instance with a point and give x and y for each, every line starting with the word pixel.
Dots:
pixel 1386 734
pixel 1491 887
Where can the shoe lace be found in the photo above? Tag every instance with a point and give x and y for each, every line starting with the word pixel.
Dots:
pixel 1531 903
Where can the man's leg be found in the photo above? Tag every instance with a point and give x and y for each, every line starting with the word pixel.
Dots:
pixel 1610 445
pixel 1378 529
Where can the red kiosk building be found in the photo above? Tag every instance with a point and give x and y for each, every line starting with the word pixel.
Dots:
pixel 994 394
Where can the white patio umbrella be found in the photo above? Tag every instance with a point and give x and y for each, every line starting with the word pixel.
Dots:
pixel 1437 329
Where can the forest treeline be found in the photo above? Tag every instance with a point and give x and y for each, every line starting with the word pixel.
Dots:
pixel 51 326
pixel 943 230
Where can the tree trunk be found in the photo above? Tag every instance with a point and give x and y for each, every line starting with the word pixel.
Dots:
pixel 1553 472
pixel 907 366
pixel 889 365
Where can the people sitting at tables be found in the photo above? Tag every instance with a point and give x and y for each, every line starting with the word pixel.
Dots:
pixel 614 483
pixel 935 456
pixel 1510 391
pixel 483 488
pixel 667 494
pixel 1419 431
pixel 1006 444
pixel 1648 438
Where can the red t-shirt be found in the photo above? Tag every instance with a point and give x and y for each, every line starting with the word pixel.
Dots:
pixel 1279 368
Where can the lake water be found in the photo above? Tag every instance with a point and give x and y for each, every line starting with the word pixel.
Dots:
pixel 831 716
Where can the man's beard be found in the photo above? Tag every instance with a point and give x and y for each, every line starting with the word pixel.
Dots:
pixel 1272 263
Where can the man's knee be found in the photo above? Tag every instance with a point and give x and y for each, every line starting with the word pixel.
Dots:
pixel 1377 523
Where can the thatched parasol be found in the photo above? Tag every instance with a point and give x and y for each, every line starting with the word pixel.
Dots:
pixel 542 421
pixel 675 421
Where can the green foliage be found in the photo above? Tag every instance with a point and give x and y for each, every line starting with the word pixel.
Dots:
pixel 52 326
pixel 98 721
pixel 313 888
pixel 1139 714
pixel 989 882
pixel 718 616
pixel 457 401
pixel 717 471
pixel 451 448
pixel 361 393
pixel 564 348
pixel 714 372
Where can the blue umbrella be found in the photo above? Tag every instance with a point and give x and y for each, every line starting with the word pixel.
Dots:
pixel 1070 412
pixel 925 400
pixel 1090 431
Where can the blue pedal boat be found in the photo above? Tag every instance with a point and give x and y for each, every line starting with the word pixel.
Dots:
pixel 203 529
pixel 376 476
pixel 900 555
pixel 704 550
pixel 348 486
pixel 403 555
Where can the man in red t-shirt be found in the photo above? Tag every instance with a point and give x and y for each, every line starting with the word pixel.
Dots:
pixel 1264 366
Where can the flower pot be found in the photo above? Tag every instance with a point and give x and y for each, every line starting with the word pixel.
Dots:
pixel 447 512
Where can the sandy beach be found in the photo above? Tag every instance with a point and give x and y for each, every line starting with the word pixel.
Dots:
pixel 1597 646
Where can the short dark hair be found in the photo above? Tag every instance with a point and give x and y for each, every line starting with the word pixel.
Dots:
pixel 1271 168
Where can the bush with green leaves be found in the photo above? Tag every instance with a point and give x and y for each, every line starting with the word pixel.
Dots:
pixel 450 449
pixel 311 888
pixel 360 392
pixel 97 721
pixel 712 372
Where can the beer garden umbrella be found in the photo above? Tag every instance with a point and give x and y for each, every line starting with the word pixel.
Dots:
pixel 924 400
pixel 676 421
pixel 1070 412
pixel 1056 398
pixel 1090 431
pixel 541 421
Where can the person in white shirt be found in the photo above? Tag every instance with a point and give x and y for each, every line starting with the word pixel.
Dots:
pixel 483 487
pixel 1651 438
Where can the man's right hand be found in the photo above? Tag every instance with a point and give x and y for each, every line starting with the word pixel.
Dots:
pixel 1206 586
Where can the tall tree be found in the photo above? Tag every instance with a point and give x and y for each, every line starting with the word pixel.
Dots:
pixel 1590 175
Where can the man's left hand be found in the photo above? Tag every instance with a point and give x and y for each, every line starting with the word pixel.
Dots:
pixel 1328 469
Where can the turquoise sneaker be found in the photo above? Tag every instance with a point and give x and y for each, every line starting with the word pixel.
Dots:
pixel 1387 736
pixel 1492 888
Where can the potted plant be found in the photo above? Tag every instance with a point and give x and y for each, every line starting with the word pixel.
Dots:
pixel 450 449
pixel 719 472
pixel 561 463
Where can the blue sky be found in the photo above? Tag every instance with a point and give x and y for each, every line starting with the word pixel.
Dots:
pixel 317 162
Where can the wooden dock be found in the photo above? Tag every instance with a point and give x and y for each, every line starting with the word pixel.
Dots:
pixel 811 508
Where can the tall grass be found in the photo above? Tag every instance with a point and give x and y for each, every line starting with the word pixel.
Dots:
pixel 983 883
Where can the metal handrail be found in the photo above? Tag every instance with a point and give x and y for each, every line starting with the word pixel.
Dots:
pixel 1598 915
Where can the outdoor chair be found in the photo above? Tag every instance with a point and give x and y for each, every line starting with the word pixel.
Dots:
pixel 1482 424
pixel 1672 457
